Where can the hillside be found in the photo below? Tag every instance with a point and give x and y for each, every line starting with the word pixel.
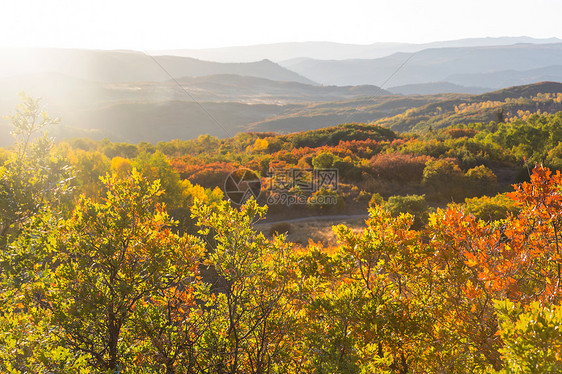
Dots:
pixel 184 119
pixel 419 112
pixel 164 110
pixel 158 121
pixel 154 121
pixel 161 111
pixel 524 91
pixel 316 116
pixel 499 106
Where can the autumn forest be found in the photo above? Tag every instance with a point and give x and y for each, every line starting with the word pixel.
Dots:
pixel 129 258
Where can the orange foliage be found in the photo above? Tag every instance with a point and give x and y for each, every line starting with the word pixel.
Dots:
pixel 520 258
pixel 207 175
pixel 396 166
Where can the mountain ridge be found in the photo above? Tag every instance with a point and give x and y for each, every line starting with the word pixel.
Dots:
pixel 124 66
pixel 430 65
pixel 325 50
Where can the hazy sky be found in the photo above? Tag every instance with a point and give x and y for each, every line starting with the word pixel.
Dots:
pixel 164 24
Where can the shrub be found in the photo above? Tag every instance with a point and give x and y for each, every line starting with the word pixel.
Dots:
pixel 480 180
pixel 445 178
pixel 121 166
pixel 399 167
pixel 347 170
pixel 461 133
pixel 324 160
pixel 376 199
pixel 325 199
pixel 412 204
pixel 531 336
pixel 491 208
pixel 207 175
pixel 554 158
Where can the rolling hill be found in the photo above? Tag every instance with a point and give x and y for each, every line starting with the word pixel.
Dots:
pixel 498 106
pixel 163 110
pixel 137 113
pixel 316 116
pixel 183 119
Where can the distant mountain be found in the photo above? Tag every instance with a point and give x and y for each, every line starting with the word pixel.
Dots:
pixel 430 65
pixel 335 51
pixel 435 88
pixel 287 51
pixel 129 66
pixel 506 78
pixel 490 41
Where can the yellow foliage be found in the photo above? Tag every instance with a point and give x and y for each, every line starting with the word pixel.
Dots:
pixel 258 146
pixel 121 166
